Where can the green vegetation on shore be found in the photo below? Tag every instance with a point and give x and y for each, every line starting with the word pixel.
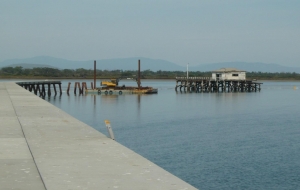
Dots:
pixel 19 72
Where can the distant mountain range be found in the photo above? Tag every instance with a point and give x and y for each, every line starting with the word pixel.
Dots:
pixel 249 67
pixel 146 64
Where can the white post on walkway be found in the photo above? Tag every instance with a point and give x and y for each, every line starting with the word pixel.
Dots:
pixel 109 129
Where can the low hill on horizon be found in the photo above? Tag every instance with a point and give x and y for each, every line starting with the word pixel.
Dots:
pixel 146 64
pixel 249 67
pixel 30 66
pixel 103 64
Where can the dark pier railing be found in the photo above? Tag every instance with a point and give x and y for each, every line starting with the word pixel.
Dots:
pixel 40 87
pixel 207 84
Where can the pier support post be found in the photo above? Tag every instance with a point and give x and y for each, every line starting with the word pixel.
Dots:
pixel 69 84
pixel 79 88
pixel 60 91
pixel 84 88
pixel 75 85
pixel 54 90
pixel 35 89
pixel 49 89
pixel 30 87
pixel 38 89
pixel 43 90
pixel 139 74
pixel 94 74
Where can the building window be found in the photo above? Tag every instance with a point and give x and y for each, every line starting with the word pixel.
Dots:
pixel 235 75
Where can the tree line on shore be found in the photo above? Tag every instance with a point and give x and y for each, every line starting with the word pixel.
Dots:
pixel 18 72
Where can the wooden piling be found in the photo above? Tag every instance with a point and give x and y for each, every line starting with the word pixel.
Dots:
pixel 49 90
pixel 35 89
pixel 38 89
pixel 60 91
pixel 30 87
pixel 94 74
pixel 43 90
pixel 68 88
pixel 84 87
pixel 75 86
pixel 54 90
pixel 79 89
pixel 139 74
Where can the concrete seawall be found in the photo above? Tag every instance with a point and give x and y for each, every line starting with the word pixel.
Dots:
pixel 42 147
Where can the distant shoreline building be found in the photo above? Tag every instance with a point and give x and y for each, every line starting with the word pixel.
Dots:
pixel 228 74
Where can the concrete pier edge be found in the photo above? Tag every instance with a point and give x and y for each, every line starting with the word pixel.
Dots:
pixel 42 147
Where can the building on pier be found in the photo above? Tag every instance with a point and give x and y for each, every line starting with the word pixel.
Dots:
pixel 228 74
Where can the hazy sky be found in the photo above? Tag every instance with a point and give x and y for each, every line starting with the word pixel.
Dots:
pixel 180 31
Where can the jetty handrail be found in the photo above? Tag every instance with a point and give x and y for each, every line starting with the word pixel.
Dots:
pixel 39 82
pixel 193 78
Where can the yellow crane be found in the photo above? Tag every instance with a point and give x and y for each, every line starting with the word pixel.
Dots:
pixel 114 82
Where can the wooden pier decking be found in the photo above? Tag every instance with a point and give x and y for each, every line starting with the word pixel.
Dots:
pixel 206 84
pixel 42 147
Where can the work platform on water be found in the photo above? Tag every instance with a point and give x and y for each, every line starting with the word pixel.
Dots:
pixel 112 87
pixel 42 147
pixel 222 80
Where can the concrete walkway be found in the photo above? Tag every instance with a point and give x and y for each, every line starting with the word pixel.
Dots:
pixel 42 147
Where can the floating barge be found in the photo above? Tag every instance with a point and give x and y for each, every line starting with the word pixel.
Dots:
pixel 122 90
pixel 223 80
pixel 112 87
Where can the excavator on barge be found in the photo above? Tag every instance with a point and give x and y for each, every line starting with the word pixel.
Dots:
pixel 112 87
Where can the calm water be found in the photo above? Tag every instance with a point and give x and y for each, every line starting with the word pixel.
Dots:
pixel 210 140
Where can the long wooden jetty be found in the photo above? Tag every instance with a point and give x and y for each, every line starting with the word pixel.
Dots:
pixel 44 148
pixel 207 84
pixel 40 87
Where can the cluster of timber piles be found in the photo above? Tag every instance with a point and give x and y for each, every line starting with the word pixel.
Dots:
pixel 81 88
pixel 40 87
pixel 77 85
pixel 206 84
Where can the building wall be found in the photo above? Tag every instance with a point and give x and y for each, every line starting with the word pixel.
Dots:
pixel 229 76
